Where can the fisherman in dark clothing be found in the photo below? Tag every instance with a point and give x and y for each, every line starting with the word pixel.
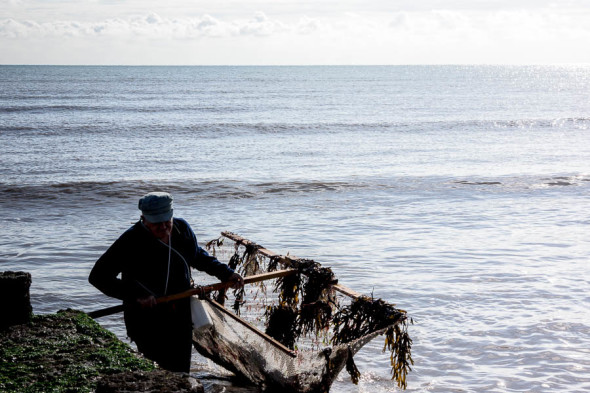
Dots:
pixel 154 258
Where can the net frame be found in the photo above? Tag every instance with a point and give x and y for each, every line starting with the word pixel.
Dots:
pixel 323 346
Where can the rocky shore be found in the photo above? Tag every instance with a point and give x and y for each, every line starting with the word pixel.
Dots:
pixel 70 352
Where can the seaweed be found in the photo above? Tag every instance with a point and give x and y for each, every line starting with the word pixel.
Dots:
pixel 353 371
pixel 251 260
pixel 307 306
pixel 281 324
pixel 310 316
pixel 281 320
pixel 212 245
pixel 273 263
pixel 247 264
pixel 289 288
pixel 317 297
pixel 366 315
pixel 399 343
pixel 233 263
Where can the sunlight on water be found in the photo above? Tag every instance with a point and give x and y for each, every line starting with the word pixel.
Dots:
pixel 458 193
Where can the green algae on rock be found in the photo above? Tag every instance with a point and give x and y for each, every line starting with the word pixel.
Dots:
pixel 63 352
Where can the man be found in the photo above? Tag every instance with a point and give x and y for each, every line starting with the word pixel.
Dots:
pixel 154 258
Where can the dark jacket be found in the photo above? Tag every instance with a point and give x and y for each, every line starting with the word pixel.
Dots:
pixel 142 261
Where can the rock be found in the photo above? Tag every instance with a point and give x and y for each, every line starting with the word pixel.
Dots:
pixel 15 287
pixel 63 352
pixel 159 381
pixel 69 352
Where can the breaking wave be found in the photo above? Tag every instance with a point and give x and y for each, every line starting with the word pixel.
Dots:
pixel 108 125
pixel 100 192
pixel 97 192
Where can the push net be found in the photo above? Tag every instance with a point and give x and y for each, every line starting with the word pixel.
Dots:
pixel 294 327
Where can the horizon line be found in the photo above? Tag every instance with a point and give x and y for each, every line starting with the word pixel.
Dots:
pixel 299 65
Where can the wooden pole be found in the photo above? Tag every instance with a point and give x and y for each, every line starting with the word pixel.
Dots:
pixel 197 291
pixel 287 261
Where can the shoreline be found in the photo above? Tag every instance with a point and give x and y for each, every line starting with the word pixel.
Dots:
pixel 69 351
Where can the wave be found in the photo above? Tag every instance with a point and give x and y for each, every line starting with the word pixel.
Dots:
pixel 216 129
pixel 122 108
pixel 99 191
pixel 526 182
pixel 566 122
pixel 54 108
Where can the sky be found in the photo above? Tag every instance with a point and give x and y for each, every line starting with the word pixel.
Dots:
pixel 294 32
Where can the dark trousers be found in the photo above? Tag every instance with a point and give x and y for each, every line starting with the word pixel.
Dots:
pixel 163 334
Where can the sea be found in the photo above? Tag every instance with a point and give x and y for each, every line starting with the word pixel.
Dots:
pixel 459 193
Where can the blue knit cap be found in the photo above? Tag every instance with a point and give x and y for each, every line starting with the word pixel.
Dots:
pixel 156 206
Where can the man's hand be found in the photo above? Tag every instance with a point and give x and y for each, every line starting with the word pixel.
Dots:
pixel 236 280
pixel 147 302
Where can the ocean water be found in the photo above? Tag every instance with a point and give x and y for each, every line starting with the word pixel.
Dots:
pixel 461 194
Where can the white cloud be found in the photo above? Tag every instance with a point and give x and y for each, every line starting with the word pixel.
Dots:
pixel 10 3
pixel 147 26
pixel 399 37
pixel 260 25
pixel 307 26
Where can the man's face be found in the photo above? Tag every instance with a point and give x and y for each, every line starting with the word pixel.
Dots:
pixel 161 230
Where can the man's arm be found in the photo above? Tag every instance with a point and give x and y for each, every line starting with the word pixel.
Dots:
pixel 104 274
pixel 209 264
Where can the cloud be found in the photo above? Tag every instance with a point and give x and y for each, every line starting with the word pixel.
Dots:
pixel 307 26
pixel 397 37
pixel 518 25
pixel 151 26
pixel 443 23
pixel 8 3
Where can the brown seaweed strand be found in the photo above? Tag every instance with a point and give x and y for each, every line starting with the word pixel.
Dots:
pixel 281 324
pixel 281 320
pixel 365 315
pixel 233 263
pixel 273 263
pixel 250 265
pixel 250 260
pixel 399 343
pixel 316 309
pixel 212 245
pixel 353 371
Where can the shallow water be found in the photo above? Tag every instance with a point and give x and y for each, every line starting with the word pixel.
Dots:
pixel 458 193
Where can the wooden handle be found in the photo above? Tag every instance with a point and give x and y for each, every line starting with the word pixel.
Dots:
pixel 196 291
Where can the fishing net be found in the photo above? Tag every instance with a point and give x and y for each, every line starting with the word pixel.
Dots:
pixel 247 354
pixel 298 330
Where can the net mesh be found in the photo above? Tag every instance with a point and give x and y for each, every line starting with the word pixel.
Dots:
pixel 243 352
pixel 326 327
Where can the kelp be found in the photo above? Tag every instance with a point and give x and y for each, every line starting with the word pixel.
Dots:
pixel 251 260
pixel 317 298
pixel 233 263
pixel 307 306
pixel 289 289
pixel 351 368
pixel 281 324
pixel 399 343
pixel 312 284
pixel 212 245
pixel 273 263
pixel 247 264
pixel 365 315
